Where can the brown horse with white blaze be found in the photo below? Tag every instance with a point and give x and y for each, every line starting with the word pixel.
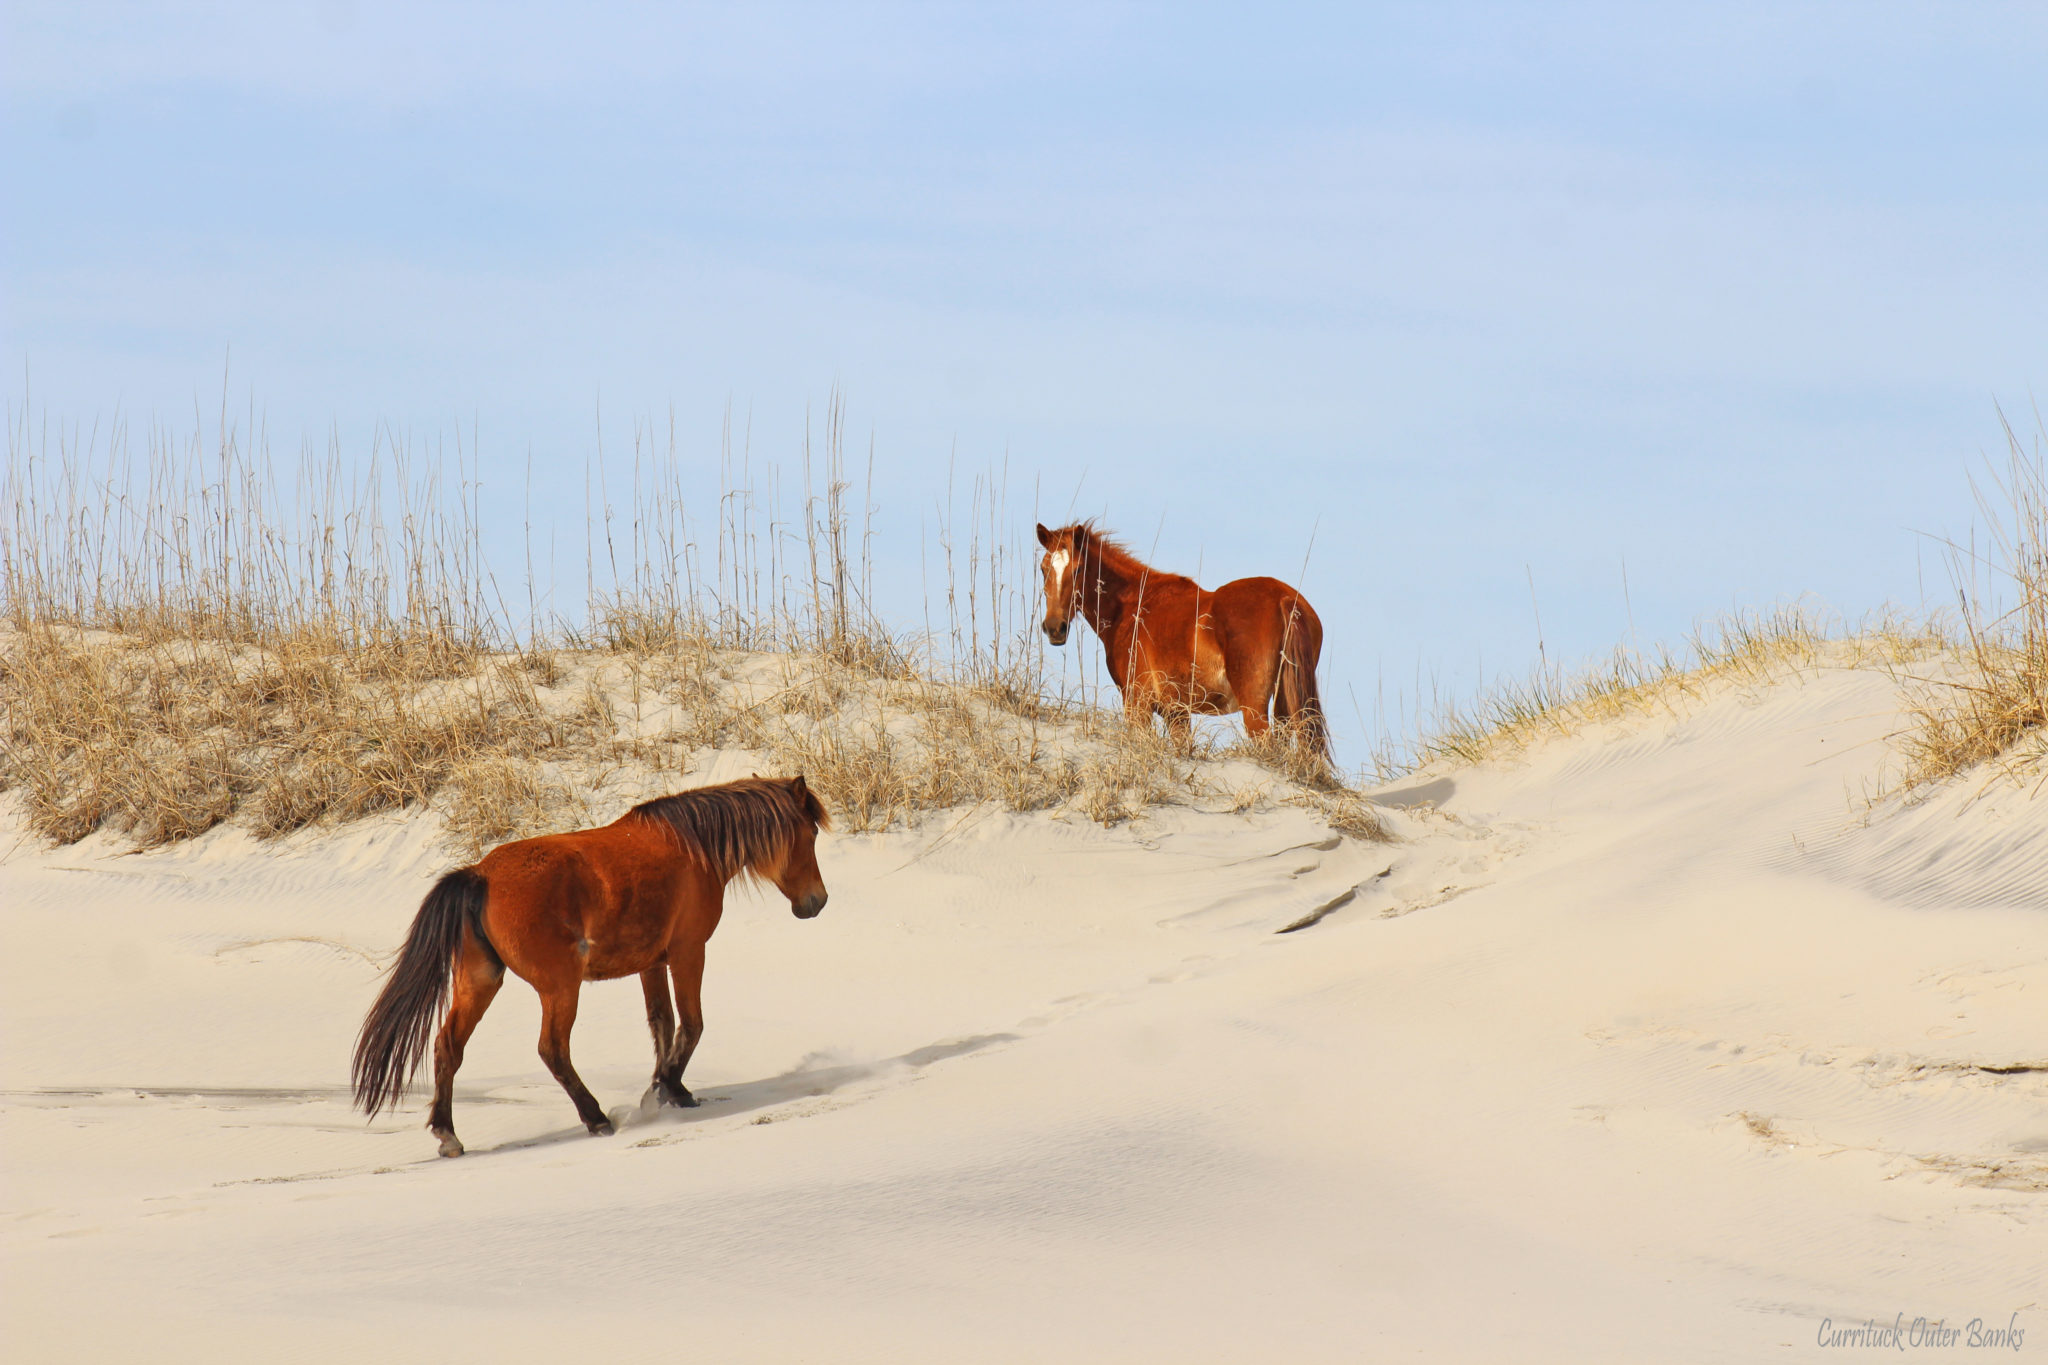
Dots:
pixel 641 895
pixel 1178 650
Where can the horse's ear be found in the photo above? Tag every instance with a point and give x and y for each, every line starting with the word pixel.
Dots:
pixel 813 807
pixel 1044 536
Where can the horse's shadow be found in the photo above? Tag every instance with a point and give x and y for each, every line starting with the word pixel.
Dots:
pixel 809 1079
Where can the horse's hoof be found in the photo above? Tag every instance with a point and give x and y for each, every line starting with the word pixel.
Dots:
pixel 451 1145
pixel 680 1097
pixel 602 1128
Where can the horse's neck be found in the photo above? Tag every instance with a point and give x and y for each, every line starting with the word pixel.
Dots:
pixel 1113 594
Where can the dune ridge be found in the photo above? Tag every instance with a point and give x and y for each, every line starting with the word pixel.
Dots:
pixel 1657 1041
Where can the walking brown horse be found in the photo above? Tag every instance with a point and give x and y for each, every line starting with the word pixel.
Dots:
pixel 1176 649
pixel 640 895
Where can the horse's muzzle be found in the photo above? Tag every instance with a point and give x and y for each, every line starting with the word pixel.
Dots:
pixel 809 906
pixel 1056 633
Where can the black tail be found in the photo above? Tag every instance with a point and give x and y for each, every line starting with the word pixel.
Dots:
pixel 394 1036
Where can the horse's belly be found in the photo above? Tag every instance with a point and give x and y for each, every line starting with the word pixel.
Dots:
pixel 1202 697
pixel 1214 704
pixel 624 946
pixel 613 966
pixel 1210 681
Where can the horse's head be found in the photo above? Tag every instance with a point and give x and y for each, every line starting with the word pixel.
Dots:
pixel 1062 570
pixel 794 870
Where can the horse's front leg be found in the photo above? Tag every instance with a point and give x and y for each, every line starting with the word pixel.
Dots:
pixel 1142 701
pixel 557 1018
pixel 686 966
pixel 1173 704
pixel 661 1018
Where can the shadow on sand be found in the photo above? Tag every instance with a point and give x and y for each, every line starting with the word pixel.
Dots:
pixel 1432 793
pixel 808 1080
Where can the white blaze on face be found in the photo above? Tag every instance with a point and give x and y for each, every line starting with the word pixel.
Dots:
pixel 1057 561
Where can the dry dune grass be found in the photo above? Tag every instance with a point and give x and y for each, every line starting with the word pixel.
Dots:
pixel 1286 750
pixel 1993 707
pixel 883 746
pixel 178 651
pixel 162 739
pixel 1976 681
pixel 1748 649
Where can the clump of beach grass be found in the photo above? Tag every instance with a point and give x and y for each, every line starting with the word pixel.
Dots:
pixel 1992 706
pixel 1744 649
pixel 164 739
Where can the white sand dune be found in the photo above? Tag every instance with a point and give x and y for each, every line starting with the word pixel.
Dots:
pixel 1657 1044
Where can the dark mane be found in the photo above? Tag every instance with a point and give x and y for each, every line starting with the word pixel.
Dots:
pixel 736 824
pixel 1112 556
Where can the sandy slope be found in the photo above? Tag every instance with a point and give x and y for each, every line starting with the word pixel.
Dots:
pixel 1650 1046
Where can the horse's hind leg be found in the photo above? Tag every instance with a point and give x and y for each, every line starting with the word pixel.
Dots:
pixel 476 977
pixel 1251 683
pixel 661 1022
pixel 557 1018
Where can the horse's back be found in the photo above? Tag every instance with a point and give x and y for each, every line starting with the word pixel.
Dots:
pixel 1251 599
pixel 607 895
pixel 565 863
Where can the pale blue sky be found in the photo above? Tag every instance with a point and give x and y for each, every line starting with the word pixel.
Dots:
pixel 1487 291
